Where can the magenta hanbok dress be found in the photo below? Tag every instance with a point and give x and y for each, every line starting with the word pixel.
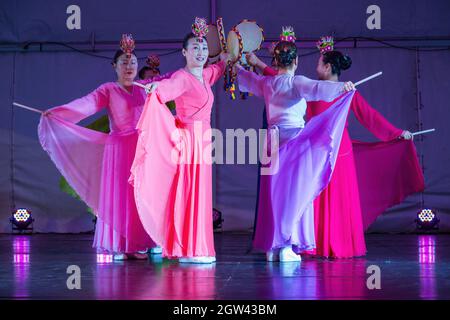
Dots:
pixel 389 172
pixel 172 172
pixel 306 156
pixel 97 165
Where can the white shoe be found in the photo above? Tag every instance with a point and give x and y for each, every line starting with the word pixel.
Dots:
pixel 273 255
pixel 120 257
pixel 197 260
pixel 287 255
pixel 155 250
pixel 155 258
pixel 138 256
pixel 289 269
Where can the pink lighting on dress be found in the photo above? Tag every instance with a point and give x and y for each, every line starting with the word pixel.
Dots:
pixel 427 259
pixel 104 258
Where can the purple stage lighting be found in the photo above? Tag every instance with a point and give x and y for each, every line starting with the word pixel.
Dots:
pixel 21 220
pixel 427 220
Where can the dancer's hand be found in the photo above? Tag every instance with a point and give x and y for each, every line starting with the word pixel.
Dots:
pixel 237 67
pixel 252 59
pixel 349 86
pixel 149 88
pixel 46 113
pixel 407 135
pixel 224 56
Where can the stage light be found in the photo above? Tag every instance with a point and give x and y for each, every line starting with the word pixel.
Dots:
pixel 21 220
pixel 427 220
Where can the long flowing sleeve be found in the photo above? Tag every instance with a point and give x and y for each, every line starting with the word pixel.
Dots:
pixel 373 120
pixel 214 72
pixel 313 90
pixel 77 152
pixel 387 173
pixel 251 82
pixel 84 107
pixel 153 172
pixel 172 88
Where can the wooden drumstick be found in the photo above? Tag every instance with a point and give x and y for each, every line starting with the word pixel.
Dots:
pixel 423 131
pixel 369 78
pixel 139 85
pixel 28 108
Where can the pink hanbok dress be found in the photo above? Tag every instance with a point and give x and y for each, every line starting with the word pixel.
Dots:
pixel 172 172
pixel 97 165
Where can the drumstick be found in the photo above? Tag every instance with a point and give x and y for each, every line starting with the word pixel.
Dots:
pixel 369 78
pixel 140 85
pixel 422 132
pixel 28 108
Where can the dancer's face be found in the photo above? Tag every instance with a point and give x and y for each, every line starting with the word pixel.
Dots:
pixel 323 70
pixel 126 68
pixel 196 52
pixel 150 73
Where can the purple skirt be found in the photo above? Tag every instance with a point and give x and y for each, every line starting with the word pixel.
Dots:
pixel 298 172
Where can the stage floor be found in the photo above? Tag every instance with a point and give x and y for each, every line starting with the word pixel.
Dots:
pixel 411 267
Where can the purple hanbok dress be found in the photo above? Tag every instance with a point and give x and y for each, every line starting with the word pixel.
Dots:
pixel 302 165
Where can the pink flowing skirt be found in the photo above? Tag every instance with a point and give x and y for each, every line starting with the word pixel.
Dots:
pixel 337 213
pixel 174 197
pixel 97 166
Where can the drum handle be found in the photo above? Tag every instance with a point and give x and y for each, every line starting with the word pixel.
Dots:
pixel 221 31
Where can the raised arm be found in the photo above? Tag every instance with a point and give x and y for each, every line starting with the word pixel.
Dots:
pixel 84 107
pixel 250 82
pixel 373 120
pixel 172 88
pixel 254 61
pixel 314 90
pixel 214 72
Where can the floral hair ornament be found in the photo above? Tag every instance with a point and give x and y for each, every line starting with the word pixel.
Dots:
pixel 200 28
pixel 127 44
pixel 287 34
pixel 152 61
pixel 325 44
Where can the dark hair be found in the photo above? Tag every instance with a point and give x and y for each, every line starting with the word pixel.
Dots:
pixel 337 60
pixel 285 53
pixel 118 54
pixel 188 37
pixel 273 62
pixel 145 69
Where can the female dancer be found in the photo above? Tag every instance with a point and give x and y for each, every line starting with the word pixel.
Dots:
pixel 97 165
pixel 337 211
pixel 305 158
pixel 151 69
pixel 172 172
